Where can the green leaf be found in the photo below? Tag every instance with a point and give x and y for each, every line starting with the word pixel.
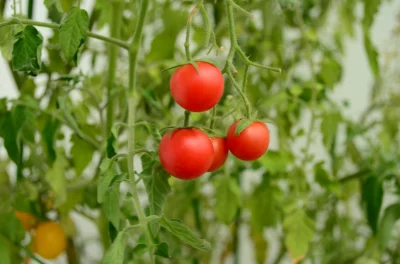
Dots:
pixel 55 176
pixel 329 126
pixel 157 187
pixel 11 227
pixel 390 217
pixel 227 199
pixel 242 125
pixel 9 133
pixel 115 254
pixel 82 153
pixel 107 174
pixel 299 233
pixel 331 71
pixel 73 31
pixel 370 10
pixel 5 251
pixel 6 42
pixel 372 194
pixel 49 133
pixel 111 205
pixel 185 234
pixel 140 249
pixel 263 206
pixel 276 161
pixel 372 54
pixel 323 178
pixel 27 51
pixel 162 250
pixel 56 3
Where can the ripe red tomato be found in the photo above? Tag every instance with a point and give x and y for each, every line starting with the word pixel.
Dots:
pixel 251 144
pixel 220 153
pixel 186 153
pixel 197 91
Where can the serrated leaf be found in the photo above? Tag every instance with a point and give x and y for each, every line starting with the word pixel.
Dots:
pixel 390 217
pixel 157 187
pixel 108 173
pixel 5 251
pixel 27 51
pixel 55 176
pixel 162 250
pixel 115 254
pixel 227 199
pixel 73 31
pixel 82 153
pixel 242 125
pixel 185 234
pixel 372 195
pixel 263 206
pixel 111 205
pixel 299 233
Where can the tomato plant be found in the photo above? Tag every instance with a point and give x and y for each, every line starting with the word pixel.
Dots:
pixel 117 119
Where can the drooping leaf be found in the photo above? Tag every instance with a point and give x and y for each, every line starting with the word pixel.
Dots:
pixel 73 31
pixel 372 195
pixel 49 134
pixel 162 250
pixel 9 134
pixel 263 206
pixel 389 218
pixel 115 254
pixel 260 246
pixel 371 8
pixel 185 234
pixel 242 125
pixel 27 51
pixel 299 233
pixel 111 205
pixel 372 54
pixel 157 188
pixel 108 173
pixel 227 199
pixel 82 153
pixel 329 126
pixel 55 176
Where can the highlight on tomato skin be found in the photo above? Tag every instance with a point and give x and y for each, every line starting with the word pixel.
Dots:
pixel 186 153
pixel 197 91
pixel 251 143
pixel 220 153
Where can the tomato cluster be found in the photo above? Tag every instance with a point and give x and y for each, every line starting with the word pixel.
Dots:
pixel 49 239
pixel 187 153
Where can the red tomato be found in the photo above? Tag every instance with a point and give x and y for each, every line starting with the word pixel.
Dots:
pixel 251 144
pixel 197 91
pixel 220 153
pixel 186 153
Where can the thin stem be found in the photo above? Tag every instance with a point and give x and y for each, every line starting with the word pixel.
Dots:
pixel 14 21
pixel 213 114
pixel 188 29
pixel 210 34
pixel 30 8
pixel 236 236
pixel 246 102
pixel 30 254
pixel 245 76
pixel 134 51
pixel 187 116
pixel 113 52
pixel 241 9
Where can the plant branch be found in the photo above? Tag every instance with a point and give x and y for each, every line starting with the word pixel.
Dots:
pixel 241 93
pixel 213 117
pixel 134 51
pixel 187 115
pixel 14 21
pixel 188 29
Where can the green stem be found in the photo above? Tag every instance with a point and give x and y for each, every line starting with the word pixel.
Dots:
pixel 187 116
pixel 187 40
pixel 236 236
pixel 213 114
pixel 245 77
pixel 14 21
pixel 246 102
pixel 30 8
pixel 113 52
pixel 134 50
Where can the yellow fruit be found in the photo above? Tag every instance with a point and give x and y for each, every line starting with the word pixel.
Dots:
pixel 28 220
pixel 49 240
